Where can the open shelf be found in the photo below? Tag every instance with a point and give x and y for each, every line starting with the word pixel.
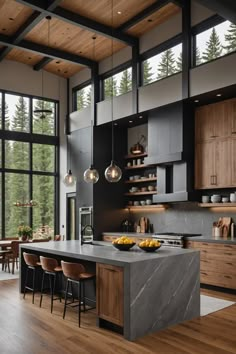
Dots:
pixel 138 166
pixel 151 206
pixel 216 205
pixel 141 193
pixel 132 156
pixel 141 180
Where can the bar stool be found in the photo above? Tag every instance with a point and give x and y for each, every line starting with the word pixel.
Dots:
pixel 51 268
pixel 76 273
pixel 32 262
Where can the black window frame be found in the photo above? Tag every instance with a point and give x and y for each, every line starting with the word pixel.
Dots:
pixel 160 48
pixel 31 138
pixel 77 88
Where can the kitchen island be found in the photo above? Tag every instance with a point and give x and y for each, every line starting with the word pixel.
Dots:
pixel 137 292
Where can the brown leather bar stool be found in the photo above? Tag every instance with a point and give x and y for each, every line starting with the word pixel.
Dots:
pixel 32 262
pixel 76 273
pixel 51 268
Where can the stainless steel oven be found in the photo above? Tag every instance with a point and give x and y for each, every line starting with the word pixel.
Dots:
pixel 86 224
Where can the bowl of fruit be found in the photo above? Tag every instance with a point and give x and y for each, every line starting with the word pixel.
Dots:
pixel 123 243
pixel 149 245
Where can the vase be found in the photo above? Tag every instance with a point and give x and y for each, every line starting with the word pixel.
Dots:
pixel 24 238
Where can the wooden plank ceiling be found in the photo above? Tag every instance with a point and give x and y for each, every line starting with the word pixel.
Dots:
pixel 73 39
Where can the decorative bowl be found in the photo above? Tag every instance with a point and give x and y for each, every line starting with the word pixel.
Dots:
pixel 123 246
pixel 149 249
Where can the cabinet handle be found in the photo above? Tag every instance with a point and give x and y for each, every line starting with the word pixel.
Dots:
pixel 214 136
pixel 211 180
pixel 229 263
pixel 110 270
pixel 227 276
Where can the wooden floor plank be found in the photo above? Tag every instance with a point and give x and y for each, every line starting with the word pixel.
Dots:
pixel 28 329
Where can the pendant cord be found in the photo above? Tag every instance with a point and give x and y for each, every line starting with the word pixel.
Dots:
pixel 112 89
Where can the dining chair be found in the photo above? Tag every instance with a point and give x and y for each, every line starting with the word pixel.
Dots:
pixel 13 255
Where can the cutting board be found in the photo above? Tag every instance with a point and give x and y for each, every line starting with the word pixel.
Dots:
pixel 144 224
pixel 226 221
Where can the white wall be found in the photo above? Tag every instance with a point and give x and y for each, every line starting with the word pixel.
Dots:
pixel 199 13
pixel 22 78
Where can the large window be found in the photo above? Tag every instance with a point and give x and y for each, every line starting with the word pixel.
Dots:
pixel 82 97
pixel 162 65
pixel 118 84
pixel 28 168
pixel 215 42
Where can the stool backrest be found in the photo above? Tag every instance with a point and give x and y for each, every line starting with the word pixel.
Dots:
pixel 72 270
pixel 57 238
pixel 30 259
pixel 48 264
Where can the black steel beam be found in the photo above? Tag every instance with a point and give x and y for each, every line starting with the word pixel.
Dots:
pixel 226 8
pixel 143 14
pixel 135 77
pixel 29 24
pixel 40 65
pixel 81 21
pixel 186 48
pixel 46 51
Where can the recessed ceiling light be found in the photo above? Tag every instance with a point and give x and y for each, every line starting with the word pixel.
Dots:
pixel 196 101
pixel 57 62
pixel 149 20
pixel 29 58
pixel 4 29
pixel 119 12
pixel 11 19
pixel 218 95
pixel 130 121
pixel 115 123
pixel 140 117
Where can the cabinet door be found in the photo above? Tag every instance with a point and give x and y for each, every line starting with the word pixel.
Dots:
pixel 231 109
pixel 233 162
pixel 204 165
pixel 222 176
pixel 204 123
pixel 110 293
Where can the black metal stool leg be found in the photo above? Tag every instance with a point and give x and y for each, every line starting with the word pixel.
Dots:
pixel 83 295
pixel 26 280
pixel 79 302
pixel 42 287
pixel 67 286
pixel 34 274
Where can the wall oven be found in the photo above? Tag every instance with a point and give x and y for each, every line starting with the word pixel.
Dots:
pixel 86 224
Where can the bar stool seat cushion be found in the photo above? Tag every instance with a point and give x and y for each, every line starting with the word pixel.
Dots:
pixel 83 276
pixel 58 269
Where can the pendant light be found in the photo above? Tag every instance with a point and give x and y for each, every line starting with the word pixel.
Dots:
pixel 91 175
pixel 113 172
pixel 69 179
pixel 43 111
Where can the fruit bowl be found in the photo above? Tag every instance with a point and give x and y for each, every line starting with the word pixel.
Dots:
pixel 123 246
pixel 149 248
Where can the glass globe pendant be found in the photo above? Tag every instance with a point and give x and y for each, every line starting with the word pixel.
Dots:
pixel 91 175
pixel 113 173
pixel 69 180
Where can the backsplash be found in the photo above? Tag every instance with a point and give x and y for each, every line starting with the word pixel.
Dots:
pixel 185 217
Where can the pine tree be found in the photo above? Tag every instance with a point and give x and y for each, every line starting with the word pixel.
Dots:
pixel 147 73
pixel 198 58
pixel 125 82
pixel 230 38
pixel 110 87
pixel 80 99
pixel 166 66
pixel 88 97
pixel 43 123
pixel 179 62
pixel 214 47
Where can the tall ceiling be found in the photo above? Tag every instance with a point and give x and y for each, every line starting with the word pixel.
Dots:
pixel 64 44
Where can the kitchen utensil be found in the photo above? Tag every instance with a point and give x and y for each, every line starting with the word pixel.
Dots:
pixel 137 177
pixel 215 198
pixel 151 188
pixel 148 201
pixel 144 189
pixel 142 202
pixel 142 224
pixel 225 199
pixel 136 203
pixel 205 199
pixel 232 197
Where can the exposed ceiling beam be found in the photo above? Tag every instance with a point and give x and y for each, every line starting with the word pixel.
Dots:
pixel 226 8
pixel 46 51
pixel 143 14
pixel 40 65
pixel 29 24
pixel 81 21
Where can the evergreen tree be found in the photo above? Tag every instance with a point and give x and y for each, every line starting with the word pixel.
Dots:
pixel 110 87
pixel 166 66
pixel 214 47
pixel 230 38
pixel 125 82
pixel 147 73
pixel 179 62
pixel 43 123
pixel 80 99
pixel 88 97
pixel 20 121
pixel 198 58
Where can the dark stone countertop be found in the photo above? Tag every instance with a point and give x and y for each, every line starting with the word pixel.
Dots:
pixel 102 254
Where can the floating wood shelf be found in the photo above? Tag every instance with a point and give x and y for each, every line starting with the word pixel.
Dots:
pixel 216 205
pixel 138 166
pixel 141 180
pixel 131 156
pixel 141 193
pixel 151 206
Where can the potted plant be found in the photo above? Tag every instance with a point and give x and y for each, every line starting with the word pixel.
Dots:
pixel 24 232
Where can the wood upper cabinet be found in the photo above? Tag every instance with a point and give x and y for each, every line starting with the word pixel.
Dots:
pixel 215 133
pixel 110 293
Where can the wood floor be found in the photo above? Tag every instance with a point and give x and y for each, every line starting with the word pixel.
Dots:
pixel 28 329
